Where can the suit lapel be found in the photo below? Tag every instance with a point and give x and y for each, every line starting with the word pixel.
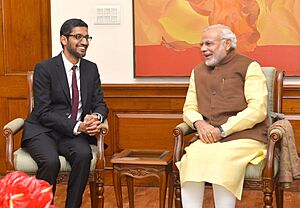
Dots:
pixel 62 77
pixel 83 83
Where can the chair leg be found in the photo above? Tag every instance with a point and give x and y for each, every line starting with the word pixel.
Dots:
pixel 268 193
pixel 268 199
pixel 97 190
pixel 171 190
pixel 93 193
pixel 279 196
pixel 178 203
pixel 99 202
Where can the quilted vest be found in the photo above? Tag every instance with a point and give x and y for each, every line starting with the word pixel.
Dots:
pixel 220 94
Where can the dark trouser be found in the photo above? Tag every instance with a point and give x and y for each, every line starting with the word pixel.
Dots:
pixel 45 149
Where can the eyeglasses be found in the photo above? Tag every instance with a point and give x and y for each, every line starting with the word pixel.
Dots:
pixel 80 37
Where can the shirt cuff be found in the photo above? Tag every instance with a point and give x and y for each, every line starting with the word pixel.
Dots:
pixel 226 128
pixel 75 130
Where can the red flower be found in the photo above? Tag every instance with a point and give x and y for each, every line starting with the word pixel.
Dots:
pixel 18 190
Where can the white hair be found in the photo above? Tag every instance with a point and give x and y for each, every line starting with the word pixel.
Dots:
pixel 225 33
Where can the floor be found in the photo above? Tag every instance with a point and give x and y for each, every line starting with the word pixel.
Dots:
pixel 148 198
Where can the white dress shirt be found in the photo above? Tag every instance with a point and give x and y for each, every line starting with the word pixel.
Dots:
pixel 68 67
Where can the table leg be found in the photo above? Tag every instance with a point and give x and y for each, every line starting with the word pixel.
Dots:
pixel 130 189
pixel 118 188
pixel 163 178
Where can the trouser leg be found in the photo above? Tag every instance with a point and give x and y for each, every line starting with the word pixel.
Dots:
pixel 192 194
pixel 77 151
pixel 222 197
pixel 43 150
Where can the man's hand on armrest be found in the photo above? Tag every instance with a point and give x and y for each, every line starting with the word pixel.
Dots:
pixel 92 124
pixel 207 133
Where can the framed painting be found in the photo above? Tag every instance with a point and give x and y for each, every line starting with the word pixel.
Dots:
pixel 167 33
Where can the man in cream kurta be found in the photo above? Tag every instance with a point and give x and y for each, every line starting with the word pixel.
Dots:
pixel 227 104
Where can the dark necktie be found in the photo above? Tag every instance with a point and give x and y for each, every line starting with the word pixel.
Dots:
pixel 75 94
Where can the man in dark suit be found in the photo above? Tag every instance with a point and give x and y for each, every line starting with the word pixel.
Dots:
pixel 68 109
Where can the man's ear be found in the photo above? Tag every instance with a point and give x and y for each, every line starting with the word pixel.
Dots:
pixel 63 40
pixel 228 44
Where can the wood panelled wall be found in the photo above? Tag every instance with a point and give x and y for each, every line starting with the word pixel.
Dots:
pixel 25 39
pixel 141 115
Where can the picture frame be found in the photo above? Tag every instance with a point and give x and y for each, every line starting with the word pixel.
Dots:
pixel 167 34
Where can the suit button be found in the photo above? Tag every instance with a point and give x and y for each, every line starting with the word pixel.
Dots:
pixel 214 92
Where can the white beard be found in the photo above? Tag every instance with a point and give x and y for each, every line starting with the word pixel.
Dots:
pixel 218 56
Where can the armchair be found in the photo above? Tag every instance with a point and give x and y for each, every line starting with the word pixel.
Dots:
pixel 21 160
pixel 263 176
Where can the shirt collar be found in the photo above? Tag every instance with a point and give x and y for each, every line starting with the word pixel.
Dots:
pixel 68 65
pixel 231 54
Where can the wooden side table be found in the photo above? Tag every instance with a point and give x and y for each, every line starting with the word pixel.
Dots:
pixel 140 164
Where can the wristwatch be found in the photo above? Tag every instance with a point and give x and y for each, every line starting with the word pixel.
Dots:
pixel 222 131
pixel 99 117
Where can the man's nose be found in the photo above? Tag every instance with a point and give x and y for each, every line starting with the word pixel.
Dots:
pixel 84 41
pixel 203 47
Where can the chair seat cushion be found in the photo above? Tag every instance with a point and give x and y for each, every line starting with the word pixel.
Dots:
pixel 24 162
pixel 255 171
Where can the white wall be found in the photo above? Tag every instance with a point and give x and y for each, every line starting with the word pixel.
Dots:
pixel 112 45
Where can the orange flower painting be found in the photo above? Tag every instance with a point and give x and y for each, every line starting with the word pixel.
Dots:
pixel 167 33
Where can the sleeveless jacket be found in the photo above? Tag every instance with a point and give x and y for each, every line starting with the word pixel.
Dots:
pixel 220 94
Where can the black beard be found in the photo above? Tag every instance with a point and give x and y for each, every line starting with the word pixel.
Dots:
pixel 74 53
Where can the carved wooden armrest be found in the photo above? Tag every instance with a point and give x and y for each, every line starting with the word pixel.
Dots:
pixel 13 127
pixel 179 132
pixel 274 137
pixel 184 128
pixel 9 130
pixel 104 127
pixel 100 145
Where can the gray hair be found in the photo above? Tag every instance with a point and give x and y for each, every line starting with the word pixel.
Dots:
pixel 225 33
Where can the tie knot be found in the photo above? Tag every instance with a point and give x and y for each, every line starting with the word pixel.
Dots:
pixel 74 68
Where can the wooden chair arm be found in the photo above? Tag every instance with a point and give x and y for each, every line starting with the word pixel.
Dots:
pixel 104 125
pixel 9 130
pixel 185 129
pixel 14 126
pixel 100 145
pixel 179 132
pixel 274 139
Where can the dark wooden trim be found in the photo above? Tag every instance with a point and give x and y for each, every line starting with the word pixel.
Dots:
pixel 291 91
pixel 144 90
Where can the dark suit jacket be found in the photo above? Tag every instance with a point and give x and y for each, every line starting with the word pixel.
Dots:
pixel 52 102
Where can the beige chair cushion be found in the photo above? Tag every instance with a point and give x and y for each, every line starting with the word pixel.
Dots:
pixel 270 74
pixel 255 171
pixel 23 161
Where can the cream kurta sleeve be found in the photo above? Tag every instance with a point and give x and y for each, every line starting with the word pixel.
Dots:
pixel 190 108
pixel 256 95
